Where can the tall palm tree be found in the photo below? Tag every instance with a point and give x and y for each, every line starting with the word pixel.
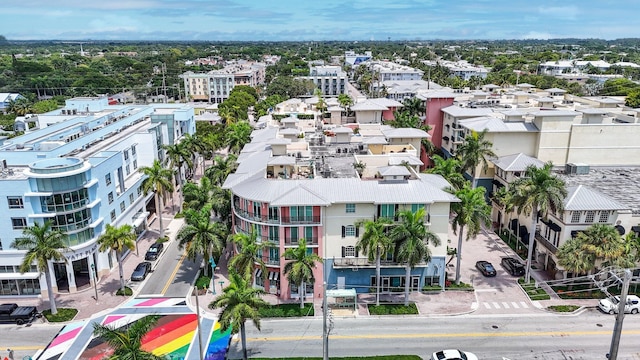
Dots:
pixel 632 245
pixel 249 254
pixel 375 242
pixel 118 239
pixel 201 236
pixel 450 169
pixel 221 168
pixel 538 191
pixel 221 204
pixel 475 151
pixel 195 145
pixel 471 212
pixel 239 302
pixel 127 343
pixel 603 241
pixel 299 268
pixel 196 196
pixel 574 259
pixel 345 101
pixel 178 155
pixel 238 135
pixel 414 106
pixel 502 197
pixel 43 244
pixel 158 180
pixel 412 238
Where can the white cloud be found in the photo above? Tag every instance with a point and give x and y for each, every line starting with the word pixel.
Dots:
pixel 564 12
pixel 537 35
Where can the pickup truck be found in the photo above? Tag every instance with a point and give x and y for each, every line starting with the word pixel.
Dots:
pixel 17 314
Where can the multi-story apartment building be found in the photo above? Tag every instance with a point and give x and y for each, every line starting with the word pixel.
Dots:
pixel 216 85
pixel 80 170
pixel 289 187
pixel 330 79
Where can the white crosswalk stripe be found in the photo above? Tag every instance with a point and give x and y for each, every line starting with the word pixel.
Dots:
pixel 515 305
pixel 492 305
pixel 496 305
pixel 506 305
pixel 524 304
pixel 486 305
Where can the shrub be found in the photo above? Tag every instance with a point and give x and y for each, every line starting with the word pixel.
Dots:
pixel 127 292
pixel 393 309
pixel 286 310
pixel 163 239
pixel 563 308
pixel 203 282
pixel 63 315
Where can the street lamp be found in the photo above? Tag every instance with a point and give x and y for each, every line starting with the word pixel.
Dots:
pixel 213 274
pixel 95 279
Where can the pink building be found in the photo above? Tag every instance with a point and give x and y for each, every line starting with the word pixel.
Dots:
pixel 434 102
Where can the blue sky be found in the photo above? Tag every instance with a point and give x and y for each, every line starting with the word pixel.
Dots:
pixel 295 20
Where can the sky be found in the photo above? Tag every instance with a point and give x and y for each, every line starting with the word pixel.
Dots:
pixel 318 20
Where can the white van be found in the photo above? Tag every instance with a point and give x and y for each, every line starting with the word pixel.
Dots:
pixel 610 305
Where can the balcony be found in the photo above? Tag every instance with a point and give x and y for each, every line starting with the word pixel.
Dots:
pixel 253 217
pixel 296 241
pixel 546 243
pixel 300 219
pixel 349 262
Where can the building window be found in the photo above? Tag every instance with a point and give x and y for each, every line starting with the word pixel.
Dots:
pixel 133 150
pixel 122 206
pixel 135 164
pixel 590 216
pixel 575 217
pixel 131 198
pixel 113 215
pixel 110 197
pixel 107 179
pixel 15 202
pixel 350 230
pixel 18 223
pixel 350 208
pixel 350 251
pixel 128 169
pixel 604 217
pixel 139 191
pixel 126 154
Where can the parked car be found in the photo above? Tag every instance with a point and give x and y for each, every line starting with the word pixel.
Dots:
pixel 513 266
pixel 141 271
pixel 154 252
pixel 453 355
pixel 486 268
pixel 17 314
pixel 610 305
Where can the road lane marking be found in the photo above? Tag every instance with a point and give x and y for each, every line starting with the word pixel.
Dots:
pixel 173 274
pixel 443 335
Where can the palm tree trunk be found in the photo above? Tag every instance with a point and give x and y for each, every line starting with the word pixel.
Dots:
pixel 532 234
pixel 159 212
pixel 377 277
pixel 407 283
pixel 52 298
pixel 301 292
pixel 119 256
pixel 244 341
pixel 459 255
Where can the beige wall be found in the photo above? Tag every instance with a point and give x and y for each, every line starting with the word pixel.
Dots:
pixel 553 141
pixel 604 144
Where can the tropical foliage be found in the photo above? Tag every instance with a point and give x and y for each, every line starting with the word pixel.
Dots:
pixel 126 343
pixel 299 266
pixel 118 239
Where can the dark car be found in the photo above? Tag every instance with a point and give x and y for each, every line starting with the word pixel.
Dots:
pixel 154 251
pixel 141 271
pixel 513 266
pixel 486 268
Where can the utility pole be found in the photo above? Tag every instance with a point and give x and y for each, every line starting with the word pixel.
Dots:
pixel 617 329
pixel 195 288
pixel 325 329
pixel 164 82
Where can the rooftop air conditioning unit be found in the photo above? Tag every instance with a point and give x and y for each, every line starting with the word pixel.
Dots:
pixel 570 169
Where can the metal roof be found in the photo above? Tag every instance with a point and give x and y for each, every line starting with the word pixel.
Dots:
pixel 392 133
pixel 517 162
pixel 409 159
pixel 282 160
pixel 493 124
pixel 580 198
pixel 459 111
pixel 394 171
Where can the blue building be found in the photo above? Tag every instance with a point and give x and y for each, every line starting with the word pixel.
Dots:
pixel 79 168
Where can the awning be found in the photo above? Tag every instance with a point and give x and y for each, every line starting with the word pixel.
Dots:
pixel 635 229
pixel 445 138
pixel 274 276
pixel 553 226
pixel 621 229
pixel 258 273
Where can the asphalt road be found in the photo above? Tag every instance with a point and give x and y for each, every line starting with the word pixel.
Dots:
pixel 26 340
pixel 586 336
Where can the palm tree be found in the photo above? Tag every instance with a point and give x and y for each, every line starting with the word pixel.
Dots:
pixel 178 155
pixel 197 196
pixel 118 239
pixel 221 204
pixel 412 238
pixel 201 236
pixel 221 168
pixel 474 151
pixel 603 241
pixel 249 253
pixel 538 191
pixel 239 302
pixel 43 244
pixel 158 180
pixel 502 197
pixel 450 169
pixel 414 106
pixel 196 145
pixel 127 343
pixel 345 101
pixel 632 245
pixel 375 242
pixel 472 211
pixel 574 259
pixel 299 269
pixel 238 135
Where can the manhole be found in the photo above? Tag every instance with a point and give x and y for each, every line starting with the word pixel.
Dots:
pixel 494 326
pixel 599 325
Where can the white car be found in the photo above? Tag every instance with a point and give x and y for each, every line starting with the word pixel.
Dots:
pixel 453 355
pixel 610 305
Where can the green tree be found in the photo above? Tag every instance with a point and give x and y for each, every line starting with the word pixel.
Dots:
pixel 299 267
pixel 249 253
pixel 238 135
pixel 158 180
pixel 201 236
pixel 345 101
pixel 633 99
pixel 178 155
pixel 412 238
pixel 239 302
pixel 197 196
pixel 502 197
pixel 221 168
pixel 574 259
pixel 471 212
pixel 289 87
pixel 126 342
pixel 537 191
pixel 118 239
pixel 604 242
pixel 375 242
pixel 450 169
pixel 474 151
pixel 43 244
pixel 414 106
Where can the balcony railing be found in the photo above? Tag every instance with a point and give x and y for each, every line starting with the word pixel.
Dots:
pixel 253 217
pixel 300 219
pixel 546 243
pixel 296 241
pixel 364 262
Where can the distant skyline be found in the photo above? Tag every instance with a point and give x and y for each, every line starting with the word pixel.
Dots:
pixel 289 20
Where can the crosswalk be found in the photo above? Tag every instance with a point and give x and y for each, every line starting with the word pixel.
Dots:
pixel 505 305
